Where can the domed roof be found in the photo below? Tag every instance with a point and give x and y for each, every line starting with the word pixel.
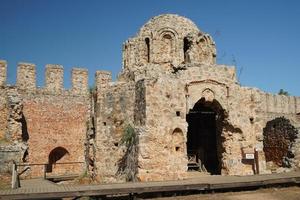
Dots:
pixel 175 23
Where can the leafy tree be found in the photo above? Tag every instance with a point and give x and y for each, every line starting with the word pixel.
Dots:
pixel 283 92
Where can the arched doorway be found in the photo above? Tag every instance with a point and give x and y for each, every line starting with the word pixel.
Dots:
pixel 204 146
pixel 55 155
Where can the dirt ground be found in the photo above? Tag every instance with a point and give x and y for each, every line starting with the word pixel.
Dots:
pixel 5 181
pixel 290 193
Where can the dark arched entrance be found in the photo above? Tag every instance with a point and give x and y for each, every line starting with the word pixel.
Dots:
pixel 54 156
pixel 204 145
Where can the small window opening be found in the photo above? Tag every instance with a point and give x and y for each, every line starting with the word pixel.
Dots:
pixel 25 156
pixel 116 144
pixel 104 123
pixel 227 92
pixel 147 41
pixel 177 148
pixel 186 47
pixel 251 120
pixel 177 113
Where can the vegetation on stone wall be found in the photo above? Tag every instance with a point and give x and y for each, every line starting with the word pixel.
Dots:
pixel 279 137
pixel 129 135
pixel 128 164
pixel 283 92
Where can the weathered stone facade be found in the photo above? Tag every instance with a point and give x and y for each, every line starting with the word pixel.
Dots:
pixel 44 125
pixel 188 113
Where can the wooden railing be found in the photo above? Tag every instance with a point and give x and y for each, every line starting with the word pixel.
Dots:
pixel 16 175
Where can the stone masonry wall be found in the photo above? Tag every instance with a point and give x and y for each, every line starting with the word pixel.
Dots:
pixel 219 83
pixel 168 40
pixel 3 114
pixel 38 121
pixel 114 111
pixel 3 102
pixel 3 72
pixel 162 146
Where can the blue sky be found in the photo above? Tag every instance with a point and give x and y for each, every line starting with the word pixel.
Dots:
pixel 262 38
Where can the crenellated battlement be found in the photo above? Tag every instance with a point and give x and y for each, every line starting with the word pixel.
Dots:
pixel 26 76
pixel 3 72
pixel 54 79
pixel 80 80
pixel 102 79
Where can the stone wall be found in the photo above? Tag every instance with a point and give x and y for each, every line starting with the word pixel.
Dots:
pixel 3 102
pixel 56 121
pixel 13 142
pixel 36 122
pixel 54 78
pixel 3 114
pixel 114 111
pixel 162 144
pixel 26 77
pixel 3 72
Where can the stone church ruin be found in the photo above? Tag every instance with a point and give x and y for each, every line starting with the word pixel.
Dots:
pixel 172 110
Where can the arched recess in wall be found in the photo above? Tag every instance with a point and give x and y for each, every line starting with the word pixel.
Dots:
pixel 167 46
pixel 279 138
pixel 55 155
pixel 203 49
pixel 207 52
pixel 178 140
pixel 204 137
pixel 186 49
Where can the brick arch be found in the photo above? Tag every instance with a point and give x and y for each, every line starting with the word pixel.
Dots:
pixel 56 155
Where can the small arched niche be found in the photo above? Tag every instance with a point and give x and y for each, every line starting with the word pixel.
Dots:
pixel 167 46
pixel 178 140
pixel 57 154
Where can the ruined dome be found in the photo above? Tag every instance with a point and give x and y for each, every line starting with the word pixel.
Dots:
pixel 168 40
pixel 178 25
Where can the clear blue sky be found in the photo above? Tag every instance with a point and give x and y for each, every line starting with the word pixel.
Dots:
pixel 261 37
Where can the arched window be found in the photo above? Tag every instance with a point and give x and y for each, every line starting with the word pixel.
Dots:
pixel 166 48
pixel 186 47
pixel 147 41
